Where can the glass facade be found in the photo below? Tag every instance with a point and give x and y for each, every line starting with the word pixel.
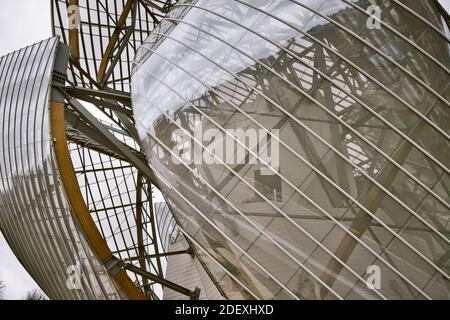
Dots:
pixel 35 216
pixel 182 269
pixel 303 145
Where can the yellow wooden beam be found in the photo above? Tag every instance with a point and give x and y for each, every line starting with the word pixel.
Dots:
pixel 77 203
pixel 114 39
pixel 74 32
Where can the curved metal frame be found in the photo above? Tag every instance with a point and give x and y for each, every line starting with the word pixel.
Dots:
pixel 88 197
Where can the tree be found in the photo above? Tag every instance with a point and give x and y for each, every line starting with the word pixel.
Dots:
pixel 2 288
pixel 35 295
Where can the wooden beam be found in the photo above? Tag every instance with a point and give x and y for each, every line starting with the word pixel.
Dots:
pixel 77 203
pixel 74 32
pixel 114 39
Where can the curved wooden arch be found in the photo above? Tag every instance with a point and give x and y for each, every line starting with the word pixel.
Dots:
pixel 78 205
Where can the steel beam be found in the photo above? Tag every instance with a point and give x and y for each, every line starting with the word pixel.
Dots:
pixel 122 97
pixel 113 41
pixel 140 164
pixel 166 254
pixel 193 295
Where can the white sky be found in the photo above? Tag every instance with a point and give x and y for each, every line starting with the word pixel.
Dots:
pixel 18 31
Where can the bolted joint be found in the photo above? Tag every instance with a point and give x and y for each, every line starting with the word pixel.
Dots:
pixel 195 295
pixel 114 265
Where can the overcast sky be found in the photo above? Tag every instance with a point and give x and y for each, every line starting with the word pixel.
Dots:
pixel 17 31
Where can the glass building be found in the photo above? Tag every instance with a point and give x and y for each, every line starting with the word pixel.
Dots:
pixel 231 149
pixel 356 107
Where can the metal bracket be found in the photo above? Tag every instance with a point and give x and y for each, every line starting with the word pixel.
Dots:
pixel 114 265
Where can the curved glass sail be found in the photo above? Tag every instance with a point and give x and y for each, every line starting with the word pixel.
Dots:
pixel 183 268
pixel 35 216
pixel 303 146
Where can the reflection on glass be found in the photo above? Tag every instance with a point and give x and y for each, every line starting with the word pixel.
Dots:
pixel 181 267
pixel 361 119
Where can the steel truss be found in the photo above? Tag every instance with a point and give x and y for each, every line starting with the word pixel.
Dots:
pixel 112 171
pixel 109 156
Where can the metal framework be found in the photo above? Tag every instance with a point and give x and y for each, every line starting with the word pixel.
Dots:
pixel 113 174
pixel 364 122
pixel 364 138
